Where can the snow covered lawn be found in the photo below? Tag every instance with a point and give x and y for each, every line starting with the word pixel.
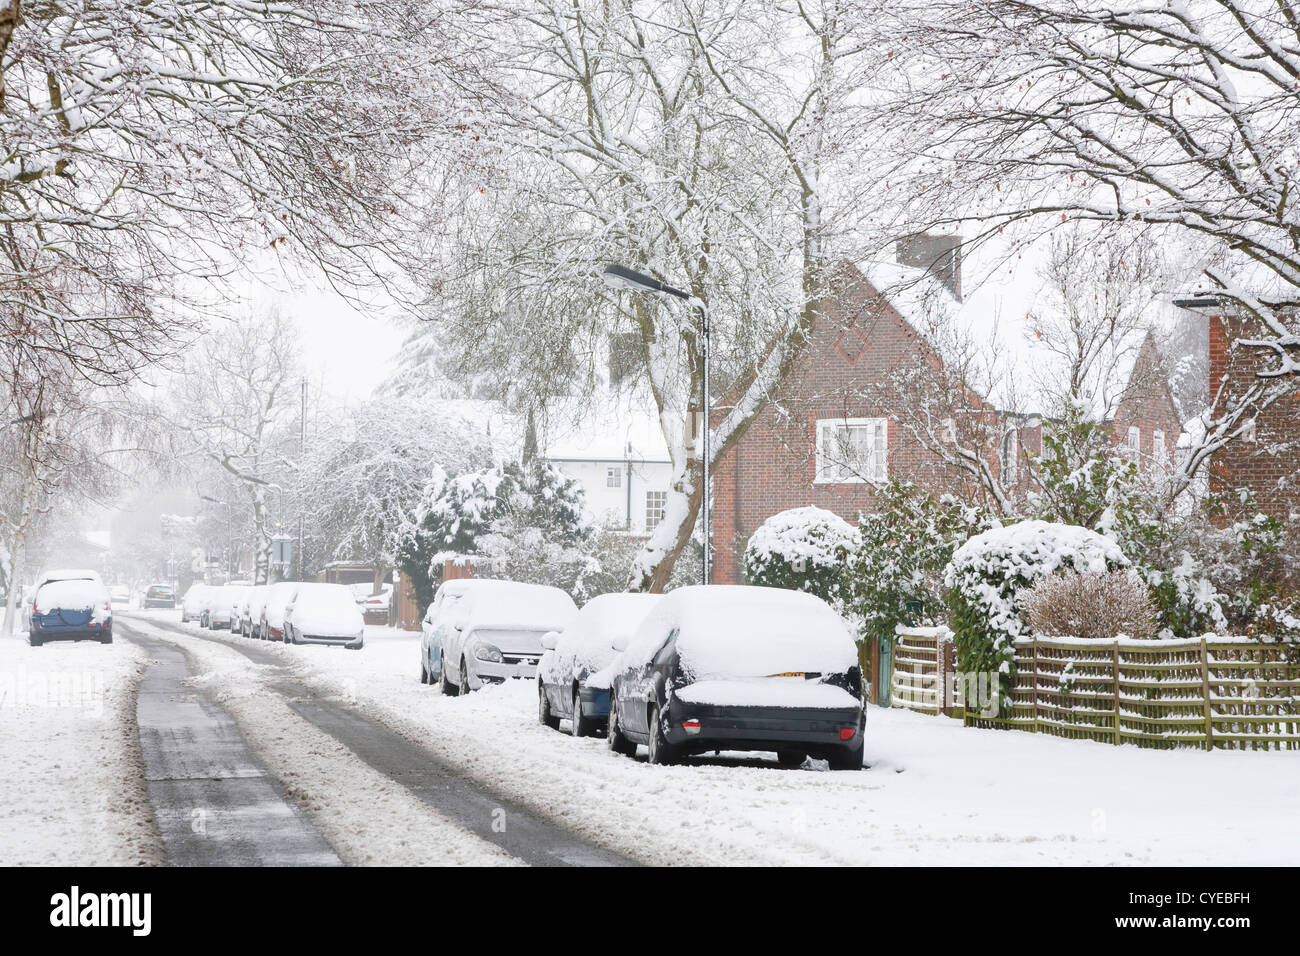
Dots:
pixel 72 789
pixel 935 793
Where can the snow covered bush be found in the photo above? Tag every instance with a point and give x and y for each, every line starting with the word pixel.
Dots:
pixel 1093 604
pixel 802 549
pixel 896 575
pixel 988 573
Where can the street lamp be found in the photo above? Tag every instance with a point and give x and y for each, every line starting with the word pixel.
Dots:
pixel 230 532
pixel 624 279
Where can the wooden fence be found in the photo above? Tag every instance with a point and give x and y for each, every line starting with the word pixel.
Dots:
pixel 1214 692
pixel 922 660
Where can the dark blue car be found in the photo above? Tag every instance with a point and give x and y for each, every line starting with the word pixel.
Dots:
pixel 71 606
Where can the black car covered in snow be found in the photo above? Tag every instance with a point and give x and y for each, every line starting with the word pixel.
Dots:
pixel 740 668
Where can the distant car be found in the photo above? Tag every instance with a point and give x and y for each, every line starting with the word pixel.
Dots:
pixel 120 595
pixel 196 601
pixel 278 598
pixel 740 668
pixel 375 607
pixel 220 612
pixel 440 616
pixel 324 614
pixel 160 595
pixel 70 608
pixel 498 635
pixel 250 610
pixel 566 687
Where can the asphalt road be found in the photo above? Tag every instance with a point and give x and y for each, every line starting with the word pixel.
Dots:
pixel 195 757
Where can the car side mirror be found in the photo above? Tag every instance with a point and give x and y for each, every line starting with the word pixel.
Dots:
pixel 619 644
pixel 549 640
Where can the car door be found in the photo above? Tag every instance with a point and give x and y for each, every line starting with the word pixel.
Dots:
pixel 643 686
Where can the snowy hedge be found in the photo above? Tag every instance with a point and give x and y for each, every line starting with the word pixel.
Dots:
pixel 988 572
pixel 802 549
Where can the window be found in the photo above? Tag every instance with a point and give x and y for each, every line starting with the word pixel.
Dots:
pixel 852 450
pixel 656 502
pixel 1134 441
pixel 1010 457
pixel 614 476
pixel 1158 447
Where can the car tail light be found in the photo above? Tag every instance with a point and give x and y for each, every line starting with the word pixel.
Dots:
pixel 846 733
pixel 691 726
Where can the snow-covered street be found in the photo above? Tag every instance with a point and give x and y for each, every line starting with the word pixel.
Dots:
pixel 933 792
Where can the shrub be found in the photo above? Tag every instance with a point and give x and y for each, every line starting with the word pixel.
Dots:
pixel 1094 605
pixel 802 549
pixel 988 573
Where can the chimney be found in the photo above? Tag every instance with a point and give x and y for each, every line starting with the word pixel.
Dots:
pixel 938 255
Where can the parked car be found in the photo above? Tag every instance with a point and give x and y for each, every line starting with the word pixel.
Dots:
pixel 220 611
pixel 160 595
pixel 740 668
pixel 120 596
pixel 250 610
pixel 324 614
pixel 566 688
pixel 498 634
pixel 71 606
pixel 195 602
pixel 440 616
pixel 375 607
pixel 279 597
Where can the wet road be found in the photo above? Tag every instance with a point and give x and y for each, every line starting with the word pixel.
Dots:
pixel 196 758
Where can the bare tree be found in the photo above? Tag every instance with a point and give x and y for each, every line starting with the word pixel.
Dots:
pixel 1178 118
pixel 232 399
pixel 686 138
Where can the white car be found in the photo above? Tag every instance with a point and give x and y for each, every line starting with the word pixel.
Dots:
pixel 325 614
pixel 571 682
pixel 440 616
pixel 196 601
pixel 220 611
pixel 499 633
pixel 279 597
pixel 248 620
pixel 121 595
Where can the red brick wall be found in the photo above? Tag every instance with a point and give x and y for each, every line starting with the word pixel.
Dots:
pixel 1269 464
pixel 1148 404
pixel 858 341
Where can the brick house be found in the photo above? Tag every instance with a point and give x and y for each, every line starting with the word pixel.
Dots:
pixel 832 400
pixel 1266 459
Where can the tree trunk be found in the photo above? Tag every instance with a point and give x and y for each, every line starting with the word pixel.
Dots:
pixel 654 564
pixel 262 558
pixel 16 570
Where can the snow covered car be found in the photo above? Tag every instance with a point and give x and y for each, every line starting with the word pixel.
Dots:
pixel 571 683
pixel 498 634
pixel 250 610
pixel 440 616
pixel 159 595
pixel 279 597
pixel 740 668
pixel 220 611
pixel 375 607
pixel 120 595
pixel 324 614
pixel 195 602
pixel 70 608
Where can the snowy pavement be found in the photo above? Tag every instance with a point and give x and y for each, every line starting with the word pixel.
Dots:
pixel 934 793
pixel 72 789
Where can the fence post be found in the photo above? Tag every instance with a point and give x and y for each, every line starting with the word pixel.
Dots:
pixel 1033 682
pixel 1205 692
pixel 1116 671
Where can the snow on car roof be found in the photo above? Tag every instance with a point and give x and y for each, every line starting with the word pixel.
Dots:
pixel 69 594
pixel 71 574
pixel 495 603
pixel 745 631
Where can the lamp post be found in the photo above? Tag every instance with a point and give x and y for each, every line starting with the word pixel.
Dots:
pixel 230 533
pixel 622 278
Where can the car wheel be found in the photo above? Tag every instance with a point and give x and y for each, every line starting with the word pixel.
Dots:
pixel 581 723
pixel 35 641
pixel 662 752
pixel 614 738
pixel 447 687
pixel 544 714
pixel 464 676
pixel 790 759
pixel 424 671
pixel 106 638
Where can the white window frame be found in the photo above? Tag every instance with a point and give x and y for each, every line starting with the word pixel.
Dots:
pixel 613 476
pixel 831 472
pixel 1010 457
pixel 1134 440
pixel 662 498
pixel 1158 451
